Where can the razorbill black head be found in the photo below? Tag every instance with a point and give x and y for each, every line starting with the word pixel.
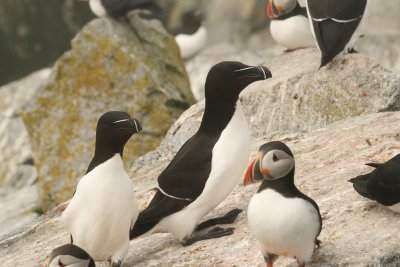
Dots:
pixel 70 256
pixel 382 184
pixel 104 208
pixel 336 25
pixel 201 175
pixel 114 129
pixel 120 8
pixel 285 221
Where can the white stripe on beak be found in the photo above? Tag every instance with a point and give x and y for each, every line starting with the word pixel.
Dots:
pixel 244 69
pixel 137 130
pixel 121 120
pixel 265 75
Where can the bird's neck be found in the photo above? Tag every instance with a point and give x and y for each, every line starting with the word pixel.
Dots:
pixel 284 185
pixel 102 154
pixel 217 115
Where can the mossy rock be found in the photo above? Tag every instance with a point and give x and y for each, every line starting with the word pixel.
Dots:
pixel 133 67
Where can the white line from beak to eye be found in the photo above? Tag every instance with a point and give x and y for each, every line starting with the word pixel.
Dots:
pixel 244 69
pixel 137 130
pixel 265 75
pixel 121 121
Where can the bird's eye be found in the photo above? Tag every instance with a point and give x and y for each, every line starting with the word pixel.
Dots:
pixel 275 157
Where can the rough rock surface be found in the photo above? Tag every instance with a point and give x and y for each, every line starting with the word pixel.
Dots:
pixel 356 231
pixel 132 67
pixel 14 140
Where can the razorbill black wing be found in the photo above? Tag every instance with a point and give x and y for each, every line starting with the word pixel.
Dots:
pixel 382 184
pixel 336 25
pixel 289 24
pixel 103 208
pixel 120 8
pixel 191 37
pixel 285 221
pixel 70 256
pixel 207 167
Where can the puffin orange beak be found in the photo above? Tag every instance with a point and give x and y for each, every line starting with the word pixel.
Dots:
pixel 270 10
pixel 249 174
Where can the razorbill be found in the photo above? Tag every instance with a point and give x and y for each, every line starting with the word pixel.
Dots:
pixel 336 25
pixel 191 37
pixel 285 221
pixel 289 24
pixel 104 208
pixel 208 166
pixel 69 256
pixel 120 8
pixel 382 184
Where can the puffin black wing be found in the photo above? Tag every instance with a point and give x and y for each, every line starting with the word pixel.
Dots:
pixel 180 183
pixel 119 8
pixel 334 23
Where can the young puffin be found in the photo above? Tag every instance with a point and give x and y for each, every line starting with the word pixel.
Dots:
pixel 382 184
pixel 69 256
pixel 104 208
pixel 285 221
pixel 289 24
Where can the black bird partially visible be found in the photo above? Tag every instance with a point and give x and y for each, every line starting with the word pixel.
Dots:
pixel 382 184
pixel 69 256
pixel 120 8
pixel 336 25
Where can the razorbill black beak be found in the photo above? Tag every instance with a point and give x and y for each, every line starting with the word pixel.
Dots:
pixel 260 72
pixel 129 124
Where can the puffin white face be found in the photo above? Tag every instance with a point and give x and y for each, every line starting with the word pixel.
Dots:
pixel 276 164
pixel 69 261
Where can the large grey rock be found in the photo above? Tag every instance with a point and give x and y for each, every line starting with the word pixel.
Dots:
pixel 113 65
pixel 14 141
pixel 356 231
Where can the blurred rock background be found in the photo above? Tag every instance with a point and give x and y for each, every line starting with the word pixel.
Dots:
pixel 60 69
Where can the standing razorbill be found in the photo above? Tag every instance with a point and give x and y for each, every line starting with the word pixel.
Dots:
pixel 120 8
pixel 285 221
pixel 289 24
pixel 192 36
pixel 336 25
pixel 69 256
pixel 103 208
pixel 382 184
pixel 208 166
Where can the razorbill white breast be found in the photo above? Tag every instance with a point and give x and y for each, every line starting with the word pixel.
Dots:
pixel 120 8
pixel 285 221
pixel 208 166
pixel 289 24
pixel 336 25
pixel 191 37
pixel 382 184
pixel 104 208
pixel 69 256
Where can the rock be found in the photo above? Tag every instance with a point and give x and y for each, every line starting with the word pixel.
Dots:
pixel 325 160
pixel 383 17
pixel 14 141
pixel 132 67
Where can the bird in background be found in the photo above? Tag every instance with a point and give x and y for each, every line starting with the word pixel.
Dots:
pixel 285 221
pixel 289 24
pixel 191 37
pixel 337 25
pixel 382 184
pixel 104 208
pixel 69 255
pixel 120 8
pixel 209 165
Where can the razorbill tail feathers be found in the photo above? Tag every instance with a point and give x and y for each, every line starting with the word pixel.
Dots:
pixel 289 24
pixel 191 37
pixel 285 221
pixel 382 184
pixel 69 256
pixel 208 166
pixel 103 208
pixel 336 25
pixel 120 8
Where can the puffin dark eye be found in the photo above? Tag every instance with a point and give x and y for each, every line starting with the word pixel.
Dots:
pixel 275 157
